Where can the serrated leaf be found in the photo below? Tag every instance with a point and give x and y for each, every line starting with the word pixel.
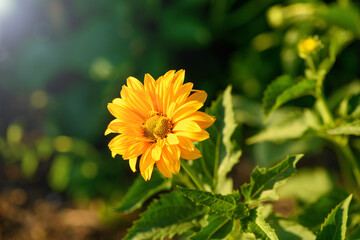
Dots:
pixel 171 214
pixel 282 90
pixel 224 205
pixel 257 225
pixel 219 153
pixel 346 129
pixel 294 125
pixel 334 227
pixel 141 190
pixel 264 179
pixel 218 227
pixel 313 214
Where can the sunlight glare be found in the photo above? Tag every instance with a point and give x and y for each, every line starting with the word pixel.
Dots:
pixel 6 7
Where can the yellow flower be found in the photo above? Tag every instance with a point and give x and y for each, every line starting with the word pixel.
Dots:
pixel 308 46
pixel 158 122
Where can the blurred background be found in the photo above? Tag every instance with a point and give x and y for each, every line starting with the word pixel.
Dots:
pixel 62 61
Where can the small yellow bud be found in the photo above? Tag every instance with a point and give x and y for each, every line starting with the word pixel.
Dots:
pixel 308 46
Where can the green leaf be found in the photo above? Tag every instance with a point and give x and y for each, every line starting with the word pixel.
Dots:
pixel 347 91
pixel 264 179
pixel 141 190
pixel 224 205
pixel 346 129
pixel 345 16
pixel 291 126
pixel 334 226
pixel 220 152
pixel 257 225
pixel 284 89
pixel 171 214
pixel 218 227
pixel 286 229
pixel 313 214
pixel 273 91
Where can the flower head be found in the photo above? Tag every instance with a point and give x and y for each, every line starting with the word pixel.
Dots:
pixel 158 122
pixel 309 46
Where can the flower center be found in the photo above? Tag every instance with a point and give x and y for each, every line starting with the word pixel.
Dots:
pixel 157 126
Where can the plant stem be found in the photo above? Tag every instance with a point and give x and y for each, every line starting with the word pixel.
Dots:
pixel 193 178
pixel 324 110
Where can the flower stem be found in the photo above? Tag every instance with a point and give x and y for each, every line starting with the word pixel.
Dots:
pixel 192 177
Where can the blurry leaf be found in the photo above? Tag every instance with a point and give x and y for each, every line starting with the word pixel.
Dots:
pixel 339 38
pixel 59 174
pixel 348 90
pixel 307 185
pixel 346 17
pixel 264 179
pixel 257 225
pixel 346 129
pixel 313 214
pixel 265 156
pixel 293 126
pixel 141 190
pixel 334 226
pixel 171 214
pixel 225 205
pixel 273 91
pixel 218 227
pixel 29 164
pixel 286 229
pixel 247 111
pixel 284 89
pixel 220 152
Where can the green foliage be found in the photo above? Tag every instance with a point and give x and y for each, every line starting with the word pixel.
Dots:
pixel 257 225
pixel 141 190
pixel 265 179
pixel 286 229
pixel 228 205
pixel 313 214
pixel 284 89
pixel 346 129
pixel 218 227
pixel 334 226
pixel 273 91
pixel 171 214
pixel 220 152
pixel 290 124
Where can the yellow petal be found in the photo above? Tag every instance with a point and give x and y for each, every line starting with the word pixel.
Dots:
pixel 163 168
pixel 156 152
pixel 194 136
pixel 185 110
pixel 187 126
pixel 108 131
pixel 198 95
pixel 134 83
pixel 190 155
pixel 132 163
pixel 172 139
pixel 183 93
pixel 202 119
pixel 146 174
pixel 146 160
pixel 185 143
